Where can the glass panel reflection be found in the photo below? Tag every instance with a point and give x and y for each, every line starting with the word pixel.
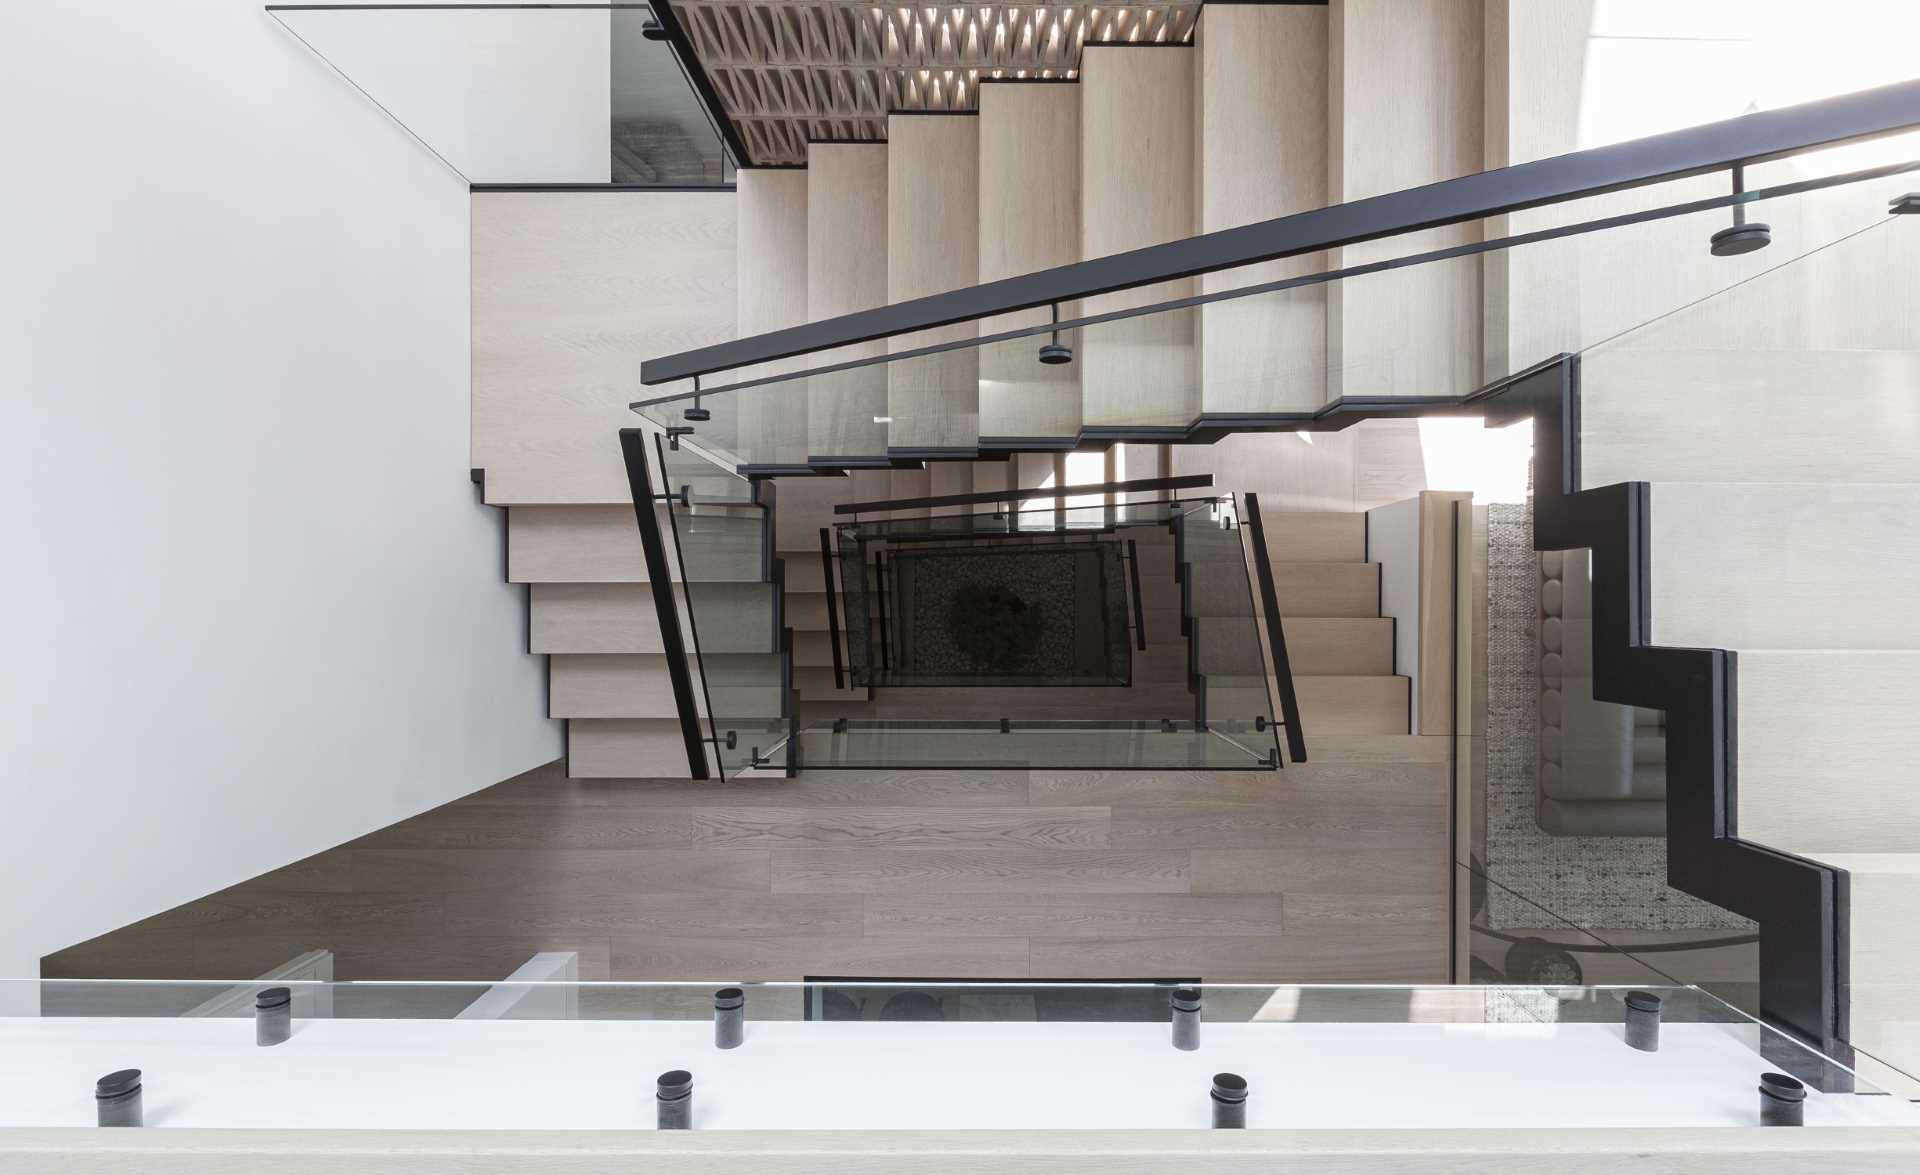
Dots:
pixel 526 94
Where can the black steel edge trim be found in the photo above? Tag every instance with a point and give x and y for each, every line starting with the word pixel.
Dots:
pixel 1181 44
pixel 880 602
pixel 1191 481
pixel 633 446
pixel 752 469
pixel 833 607
pixel 1205 429
pixel 1276 634
pixel 1796 901
pixel 679 552
pixel 1718 146
pixel 930 452
pixel 1003 81
pixel 933 114
pixel 1139 609
pixel 635 189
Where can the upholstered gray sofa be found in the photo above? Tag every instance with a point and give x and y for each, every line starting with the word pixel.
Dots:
pixel 1603 767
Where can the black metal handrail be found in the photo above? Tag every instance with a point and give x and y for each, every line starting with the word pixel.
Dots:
pixel 633 446
pixel 833 609
pixel 1276 634
pixel 1718 146
pixel 1139 610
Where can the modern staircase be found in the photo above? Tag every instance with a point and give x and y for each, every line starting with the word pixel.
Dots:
pixel 1826 646
pixel 1173 677
pixel 1339 645
pixel 1142 148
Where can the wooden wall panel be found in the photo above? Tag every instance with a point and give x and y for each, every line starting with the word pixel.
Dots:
pixel 1405 108
pixel 772 287
pixel 847 271
pixel 1029 219
pixel 571 292
pixel 1262 153
pixel 933 245
pixel 1137 103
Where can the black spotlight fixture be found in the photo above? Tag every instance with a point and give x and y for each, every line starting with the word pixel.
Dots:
pixel 1740 237
pixel 1055 352
pixel 1905 205
pixel 651 30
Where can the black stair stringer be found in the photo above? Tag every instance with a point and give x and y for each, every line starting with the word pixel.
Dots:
pixel 1800 904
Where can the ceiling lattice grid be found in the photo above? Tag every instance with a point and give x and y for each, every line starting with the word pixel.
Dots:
pixel 791 71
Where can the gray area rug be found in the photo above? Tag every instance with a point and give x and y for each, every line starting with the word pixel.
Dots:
pixel 1077 589
pixel 1599 882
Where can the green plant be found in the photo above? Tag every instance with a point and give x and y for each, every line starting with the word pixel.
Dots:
pixel 993 626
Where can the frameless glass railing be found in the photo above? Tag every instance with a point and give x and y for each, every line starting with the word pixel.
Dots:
pixel 1020 638
pixel 528 94
pixel 900 1054
pixel 1227 657
pixel 722 527
pixel 1396 325
pixel 1775 425
pixel 1778 422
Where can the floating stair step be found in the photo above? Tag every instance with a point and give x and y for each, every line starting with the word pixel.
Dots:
pixel 596 618
pixel 815 683
pixel 1732 414
pixel 1327 589
pixel 1236 699
pixel 803 571
pixel 806 612
pixel 1338 704
pixel 1315 537
pixel 601 544
pixel 1220 589
pixel 1826 750
pixel 575 544
pixel 1883 890
pixel 1164 663
pixel 626 748
pixel 620 618
pixel 637 686
pixel 812 648
pixel 640 686
pixel 1156 561
pixel 1227 645
pixel 1340 646
pixel 1838 563
pixel 733 617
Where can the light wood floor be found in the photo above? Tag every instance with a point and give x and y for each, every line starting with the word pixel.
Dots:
pixel 1330 871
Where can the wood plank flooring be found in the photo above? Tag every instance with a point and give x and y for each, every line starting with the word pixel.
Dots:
pixel 1329 871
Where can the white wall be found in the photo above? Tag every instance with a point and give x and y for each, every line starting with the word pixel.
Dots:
pixel 1393 541
pixel 250 607
pixel 514 96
